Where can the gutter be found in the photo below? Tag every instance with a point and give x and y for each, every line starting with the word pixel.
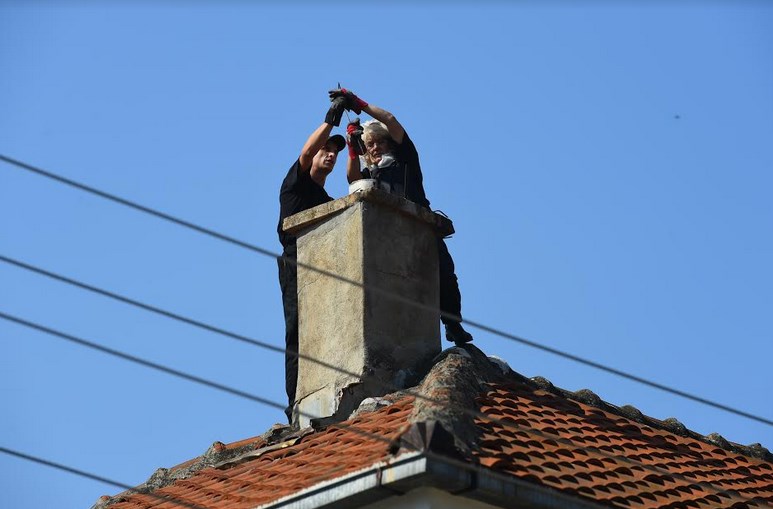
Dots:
pixel 414 470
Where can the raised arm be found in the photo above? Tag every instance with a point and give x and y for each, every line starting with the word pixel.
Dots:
pixel 394 127
pixel 313 144
pixel 353 168
pixel 357 105
pixel 321 134
pixel 356 149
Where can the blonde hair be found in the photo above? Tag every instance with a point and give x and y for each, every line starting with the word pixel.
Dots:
pixel 375 130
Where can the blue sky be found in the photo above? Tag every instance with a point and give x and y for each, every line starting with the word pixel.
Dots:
pixel 607 167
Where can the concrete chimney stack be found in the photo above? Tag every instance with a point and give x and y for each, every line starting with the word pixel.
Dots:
pixel 382 241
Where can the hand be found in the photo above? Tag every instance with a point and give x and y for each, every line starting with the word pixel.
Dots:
pixel 354 139
pixel 336 111
pixel 353 103
pixel 354 127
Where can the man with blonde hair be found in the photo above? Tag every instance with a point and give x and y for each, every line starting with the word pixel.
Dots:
pixel 391 158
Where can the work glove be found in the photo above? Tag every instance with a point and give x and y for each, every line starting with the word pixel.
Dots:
pixel 353 103
pixel 336 111
pixel 354 139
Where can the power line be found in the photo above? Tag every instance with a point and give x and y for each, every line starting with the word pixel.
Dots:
pixel 268 346
pixel 242 394
pixel 400 298
pixel 221 236
pixel 94 477
pixel 492 330
pixel 139 360
pixel 389 386
pixel 137 206
pixel 190 321
pixel 251 341
pixel 147 307
pixel 202 381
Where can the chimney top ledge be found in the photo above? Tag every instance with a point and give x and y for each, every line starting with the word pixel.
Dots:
pixel 306 218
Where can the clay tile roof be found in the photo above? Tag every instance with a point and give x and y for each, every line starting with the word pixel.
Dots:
pixel 580 449
pixel 539 435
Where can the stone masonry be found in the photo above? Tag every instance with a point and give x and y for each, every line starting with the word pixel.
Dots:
pixel 384 242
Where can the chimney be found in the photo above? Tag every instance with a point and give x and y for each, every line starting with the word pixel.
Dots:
pixel 382 241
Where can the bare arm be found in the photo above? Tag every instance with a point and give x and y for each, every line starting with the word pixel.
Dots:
pixel 353 169
pixel 313 144
pixel 394 127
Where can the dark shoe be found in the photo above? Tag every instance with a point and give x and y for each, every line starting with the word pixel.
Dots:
pixel 457 334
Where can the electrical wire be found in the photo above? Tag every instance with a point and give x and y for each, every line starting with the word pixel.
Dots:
pixel 389 386
pixel 94 477
pixel 139 360
pixel 400 298
pixel 392 295
pixel 264 401
pixel 189 321
pixel 268 346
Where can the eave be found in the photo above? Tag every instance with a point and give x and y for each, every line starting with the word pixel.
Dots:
pixel 414 470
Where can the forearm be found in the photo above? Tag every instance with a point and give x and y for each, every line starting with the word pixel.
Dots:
pixel 313 144
pixel 353 169
pixel 394 127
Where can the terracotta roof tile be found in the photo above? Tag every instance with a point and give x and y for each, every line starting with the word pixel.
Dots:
pixel 538 434
pixel 613 459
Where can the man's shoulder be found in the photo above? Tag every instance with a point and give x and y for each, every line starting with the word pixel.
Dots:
pixel 293 176
pixel 295 168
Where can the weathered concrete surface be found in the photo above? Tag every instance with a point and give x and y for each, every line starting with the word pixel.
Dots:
pixel 303 220
pixel 381 241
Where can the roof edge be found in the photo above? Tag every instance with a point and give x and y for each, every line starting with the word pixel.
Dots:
pixel 414 470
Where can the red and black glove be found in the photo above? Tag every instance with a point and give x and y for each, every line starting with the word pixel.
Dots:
pixel 354 139
pixel 353 103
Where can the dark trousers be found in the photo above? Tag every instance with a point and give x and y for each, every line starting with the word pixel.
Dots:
pixel 288 282
pixel 450 297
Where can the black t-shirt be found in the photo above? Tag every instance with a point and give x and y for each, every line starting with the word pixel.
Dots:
pixel 298 193
pixel 402 177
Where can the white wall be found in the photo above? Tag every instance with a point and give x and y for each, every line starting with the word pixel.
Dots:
pixel 428 498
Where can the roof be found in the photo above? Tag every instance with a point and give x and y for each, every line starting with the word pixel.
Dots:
pixel 528 434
